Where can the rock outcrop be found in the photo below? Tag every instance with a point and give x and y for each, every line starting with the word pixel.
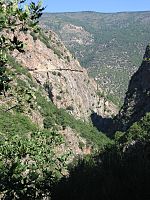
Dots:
pixel 66 82
pixel 137 100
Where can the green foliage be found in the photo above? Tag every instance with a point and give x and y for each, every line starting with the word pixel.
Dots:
pixel 34 35
pixel 17 67
pixel 118 135
pixel 49 122
pixel 28 162
pixel 4 78
pixel 138 131
pixel 13 18
pixel 57 52
pixel 24 97
pixel 55 117
pixel 81 145
pixel 48 42
pixel 58 97
pixel 100 94
pixel 115 99
pixel 44 39
pixel 28 165
pixel 15 123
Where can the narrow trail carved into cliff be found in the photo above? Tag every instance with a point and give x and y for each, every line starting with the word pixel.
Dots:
pixel 72 70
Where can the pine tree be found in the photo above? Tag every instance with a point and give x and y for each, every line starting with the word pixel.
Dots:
pixel 15 17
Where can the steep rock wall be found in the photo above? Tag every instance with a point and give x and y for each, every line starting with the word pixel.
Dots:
pixel 66 82
pixel 137 100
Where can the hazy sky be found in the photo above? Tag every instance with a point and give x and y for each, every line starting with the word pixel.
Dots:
pixel 96 5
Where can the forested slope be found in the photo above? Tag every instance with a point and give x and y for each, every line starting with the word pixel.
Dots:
pixel 109 45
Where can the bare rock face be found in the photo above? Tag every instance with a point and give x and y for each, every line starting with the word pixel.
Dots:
pixel 137 100
pixel 65 81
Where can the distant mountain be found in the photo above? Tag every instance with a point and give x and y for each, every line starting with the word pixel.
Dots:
pixel 109 45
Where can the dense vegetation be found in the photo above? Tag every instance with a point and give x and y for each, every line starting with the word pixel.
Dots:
pixel 120 172
pixel 110 46
pixel 27 158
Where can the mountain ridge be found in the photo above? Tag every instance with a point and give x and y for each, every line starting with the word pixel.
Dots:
pixel 86 11
pixel 115 39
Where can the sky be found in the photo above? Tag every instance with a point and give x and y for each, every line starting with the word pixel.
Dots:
pixel 95 5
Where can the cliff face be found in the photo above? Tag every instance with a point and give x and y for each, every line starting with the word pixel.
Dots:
pixel 65 81
pixel 137 100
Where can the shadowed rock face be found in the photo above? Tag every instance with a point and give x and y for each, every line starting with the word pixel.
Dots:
pixel 137 100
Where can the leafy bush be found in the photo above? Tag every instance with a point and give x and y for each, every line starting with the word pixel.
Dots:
pixel 49 122
pixel 57 52
pixel 34 35
pixel 58 97
pixel 18 68
pixel 139 131
pixel 15 123
pixel 29 165
pixel 44 39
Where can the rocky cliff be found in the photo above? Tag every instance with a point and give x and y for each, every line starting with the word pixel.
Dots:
pixel 137 100
pixel 66 82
